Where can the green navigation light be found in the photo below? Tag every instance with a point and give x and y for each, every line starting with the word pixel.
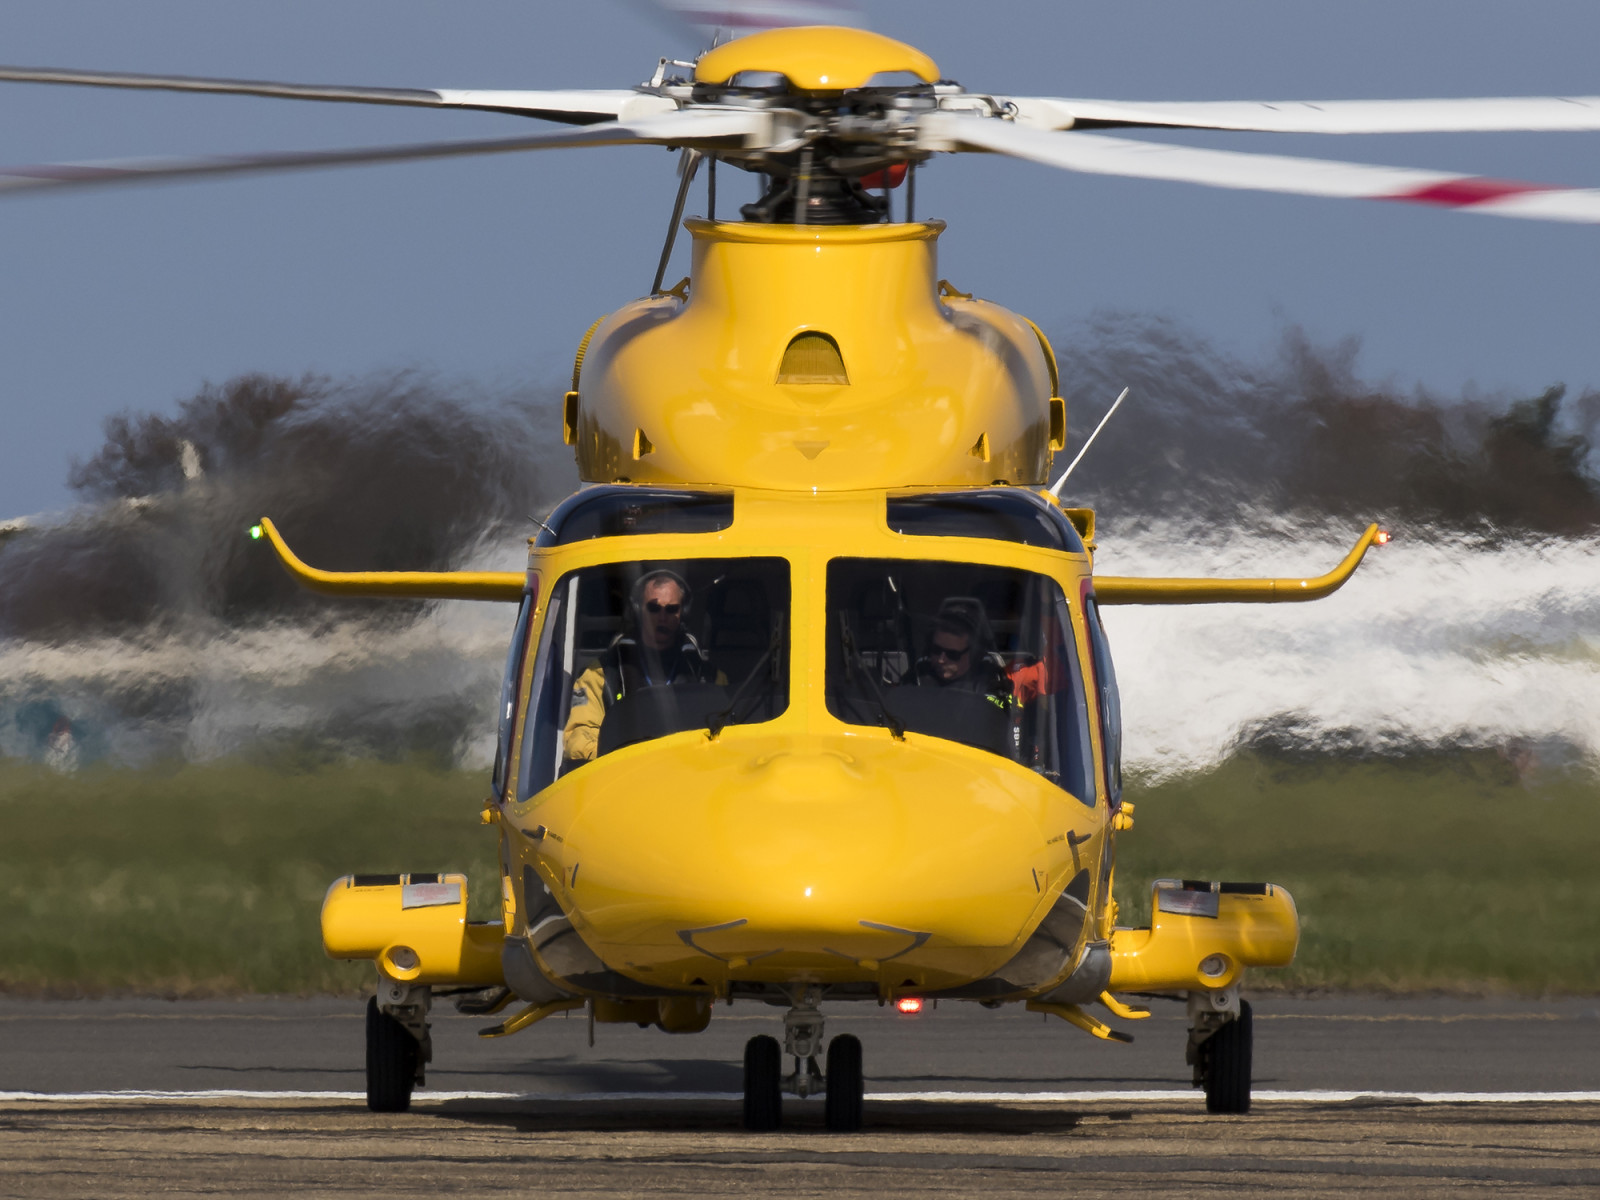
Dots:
pixel 255 533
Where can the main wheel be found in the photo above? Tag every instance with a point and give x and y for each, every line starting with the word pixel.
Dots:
pixel 763 1084
pixel 1227 1064
pixel 391 1061
pixel 843 1099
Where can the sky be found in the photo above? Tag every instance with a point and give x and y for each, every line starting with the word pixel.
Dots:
pixel 488 271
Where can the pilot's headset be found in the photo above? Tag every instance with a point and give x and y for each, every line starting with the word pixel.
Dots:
pixel 636 596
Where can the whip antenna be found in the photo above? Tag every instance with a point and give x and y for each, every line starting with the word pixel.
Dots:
pixel 1055 488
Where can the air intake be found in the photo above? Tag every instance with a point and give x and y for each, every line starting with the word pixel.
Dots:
pixel 812 358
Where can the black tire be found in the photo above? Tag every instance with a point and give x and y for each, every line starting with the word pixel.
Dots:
pixel 763 1084
pixel 391 1061
pixel 843 1098
pixel 1227 1065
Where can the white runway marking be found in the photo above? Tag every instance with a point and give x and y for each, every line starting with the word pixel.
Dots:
pixel 1101 1097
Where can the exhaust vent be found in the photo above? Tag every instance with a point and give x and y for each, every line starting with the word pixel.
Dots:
pixel 812 358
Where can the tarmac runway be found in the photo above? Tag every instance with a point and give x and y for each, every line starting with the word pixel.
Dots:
pixel 1428 1096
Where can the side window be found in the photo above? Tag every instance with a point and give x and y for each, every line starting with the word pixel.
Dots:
pixel 549 699
pixel 1072 713
pixel 1110 700
pixel 510 688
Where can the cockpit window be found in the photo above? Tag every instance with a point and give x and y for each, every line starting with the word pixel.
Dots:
pixel 999 514
pixel 637 650
pixel 621 511
pixel 975 654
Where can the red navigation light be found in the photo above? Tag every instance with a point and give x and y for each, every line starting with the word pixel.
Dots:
pixel 1383 537
pixel 909 1004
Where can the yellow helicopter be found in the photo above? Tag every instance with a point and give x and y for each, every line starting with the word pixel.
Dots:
pixel 808 700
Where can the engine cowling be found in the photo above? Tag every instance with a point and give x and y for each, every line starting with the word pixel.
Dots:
pixel 815 357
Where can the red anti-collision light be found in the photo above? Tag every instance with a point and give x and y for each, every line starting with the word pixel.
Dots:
pixel 909 1004
pixel 893 177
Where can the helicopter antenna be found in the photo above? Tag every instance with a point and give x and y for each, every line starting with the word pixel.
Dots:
pixel 1055 488
pixel 686 168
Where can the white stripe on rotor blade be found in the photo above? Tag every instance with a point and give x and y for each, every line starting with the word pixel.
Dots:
pixel 672 129
pixel 1559 204
pixel 1314 1096
pixel 1098 154
pixel 597 104
pixel 612 103
pixel 1469 115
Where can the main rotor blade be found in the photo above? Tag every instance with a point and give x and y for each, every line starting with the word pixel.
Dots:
pixel 700 130
pixel 570 107
pixel 705 18
pixel 1486 115
pixel 1099 154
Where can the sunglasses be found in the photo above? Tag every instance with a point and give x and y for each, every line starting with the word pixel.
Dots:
pixel 938 651
pixel 655 606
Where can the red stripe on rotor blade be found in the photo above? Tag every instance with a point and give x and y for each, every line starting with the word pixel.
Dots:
pixel 1467 191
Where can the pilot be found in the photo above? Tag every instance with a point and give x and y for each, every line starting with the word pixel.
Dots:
pixel 960 653
pixel 662 654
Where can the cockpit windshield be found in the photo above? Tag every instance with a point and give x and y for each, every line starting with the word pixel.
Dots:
pixel 976 654
pixel 637 650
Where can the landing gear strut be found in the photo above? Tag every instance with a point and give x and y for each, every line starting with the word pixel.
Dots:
pixel 802 1038
pixel 1221 1038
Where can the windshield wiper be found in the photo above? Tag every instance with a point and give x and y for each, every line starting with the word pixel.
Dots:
pixel 853 659
pixel 720 721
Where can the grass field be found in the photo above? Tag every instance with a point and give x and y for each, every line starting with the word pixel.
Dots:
pixel 1445 873
pixel 209 879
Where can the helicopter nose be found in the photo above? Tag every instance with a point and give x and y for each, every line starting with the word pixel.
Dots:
pixel 831 859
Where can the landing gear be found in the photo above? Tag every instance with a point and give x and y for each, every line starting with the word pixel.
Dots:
pixel 843 1098
pixel 398 1045
pixel 1226 1055
pixel 763 1084
pixel 391 1061
pixel 802 1039
pixel 1221 1039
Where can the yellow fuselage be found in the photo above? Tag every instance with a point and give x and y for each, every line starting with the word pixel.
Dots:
pixel 804 849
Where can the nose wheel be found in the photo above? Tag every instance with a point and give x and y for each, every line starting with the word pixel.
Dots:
pixel 763 1084
pixel 846 1088
pixel 843 1087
